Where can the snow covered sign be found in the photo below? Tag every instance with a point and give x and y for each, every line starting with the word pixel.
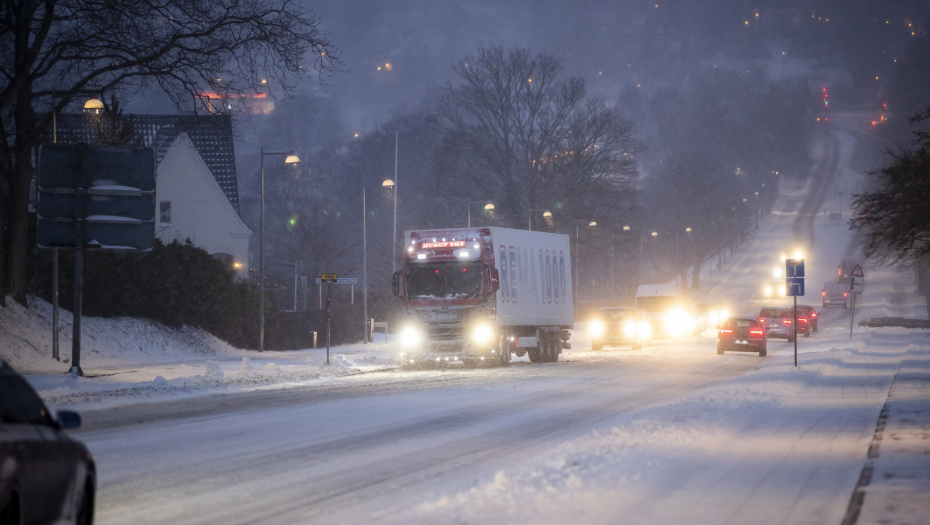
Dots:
pixel 100 197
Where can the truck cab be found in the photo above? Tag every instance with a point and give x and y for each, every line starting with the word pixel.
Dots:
pixel 670 315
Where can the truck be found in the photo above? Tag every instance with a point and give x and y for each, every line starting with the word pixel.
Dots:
pixel 835 294
pixel 482 295
pixel 670 315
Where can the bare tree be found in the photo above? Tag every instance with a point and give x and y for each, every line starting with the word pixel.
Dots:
pixel 54 51
pixel 528 137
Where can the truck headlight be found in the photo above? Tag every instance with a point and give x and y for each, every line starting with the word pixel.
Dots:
pixel 410 336
pixel 482 334
pixel 596 328
pixel 645 330
pixel 677 322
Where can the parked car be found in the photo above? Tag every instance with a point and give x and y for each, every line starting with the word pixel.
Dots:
pixel 620 326
pixel 810 314
pixel 777 323
pixel 741 334
pixel 45 476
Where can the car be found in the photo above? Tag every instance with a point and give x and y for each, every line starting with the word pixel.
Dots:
pixel 742 334
pixel 620 326
pixel 810 314
pixel 835 294
pixel 712 313
pixel 45 475
pixel 777 322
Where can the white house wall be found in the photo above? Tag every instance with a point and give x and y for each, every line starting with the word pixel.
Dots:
pixel 199 209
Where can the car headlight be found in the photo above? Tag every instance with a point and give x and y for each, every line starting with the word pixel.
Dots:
pixel 597 328
pixel 714 318
pixel 768 291
pixel 724 314
pixel 645 330
pixel 410 336
pixel 482 334
pixel 629 328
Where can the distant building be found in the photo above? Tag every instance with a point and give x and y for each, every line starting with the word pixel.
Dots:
pixel 197 192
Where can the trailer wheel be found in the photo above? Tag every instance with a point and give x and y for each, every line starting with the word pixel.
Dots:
pixel 554 346
pixel 534 355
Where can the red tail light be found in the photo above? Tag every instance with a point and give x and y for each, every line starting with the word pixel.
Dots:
pixel 813 315
pixel 761 320
pixel 786 321
pixel 823 293
pixel 844 294
pixel 803 320
pixel 756 332
pixel 839 271
pixel 725 331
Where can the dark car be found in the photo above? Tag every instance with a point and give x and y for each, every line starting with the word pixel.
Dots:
pixel 741 334
pixel 777 322
pixel 809 313
pixel 45 476
pixel 620 326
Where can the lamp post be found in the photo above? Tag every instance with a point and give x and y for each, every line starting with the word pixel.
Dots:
pixel 545 213
pixel 290 158
pixel 488 206
pixel 388 183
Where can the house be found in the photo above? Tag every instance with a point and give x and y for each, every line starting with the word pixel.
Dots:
pixel 196 187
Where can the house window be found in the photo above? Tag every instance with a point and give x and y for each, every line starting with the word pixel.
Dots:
pixel 164 212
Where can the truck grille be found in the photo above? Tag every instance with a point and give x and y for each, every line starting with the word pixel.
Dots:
pixel 446 338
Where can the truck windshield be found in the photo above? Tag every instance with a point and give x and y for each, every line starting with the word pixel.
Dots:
pixel 444 280
pixel 656 303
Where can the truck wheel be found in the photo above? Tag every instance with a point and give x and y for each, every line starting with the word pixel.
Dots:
pixel 534 356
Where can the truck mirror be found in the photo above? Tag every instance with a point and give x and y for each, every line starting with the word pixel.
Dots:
pixel 395 284
pixel 494 282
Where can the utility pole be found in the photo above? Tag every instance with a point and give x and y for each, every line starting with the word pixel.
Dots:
pixel 394 245
pixel 365 264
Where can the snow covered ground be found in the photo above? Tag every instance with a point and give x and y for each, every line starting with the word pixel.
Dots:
pixel 188 430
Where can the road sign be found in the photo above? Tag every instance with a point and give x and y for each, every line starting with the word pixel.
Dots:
pixel 857 272
pixel 794 268
pixel 340 280
pixel 100 197
pixel 855 284
pixel 327 278
pixel 794 286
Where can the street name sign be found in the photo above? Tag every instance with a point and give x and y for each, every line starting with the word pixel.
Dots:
pixel 340 280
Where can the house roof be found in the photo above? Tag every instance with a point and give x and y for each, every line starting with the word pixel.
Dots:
pixel 211 135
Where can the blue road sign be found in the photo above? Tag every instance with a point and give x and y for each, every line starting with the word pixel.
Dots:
pixel 794 268
pixel 794 286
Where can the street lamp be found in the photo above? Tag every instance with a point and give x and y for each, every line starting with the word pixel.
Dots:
pixel 93 106
pixel 389 184
pixel 290 159
pixel 488 207
pixel 547 215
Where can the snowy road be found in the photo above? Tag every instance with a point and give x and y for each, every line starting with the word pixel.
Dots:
pixel 376 439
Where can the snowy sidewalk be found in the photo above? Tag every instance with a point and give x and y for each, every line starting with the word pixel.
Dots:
pixel 895 484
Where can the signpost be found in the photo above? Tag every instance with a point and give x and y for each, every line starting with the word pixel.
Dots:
pixel 855 287
pixel 794 286
pixel 94 198
pixel 330 279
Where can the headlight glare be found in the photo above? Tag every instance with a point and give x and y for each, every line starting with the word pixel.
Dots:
pixel 597 328
pixel 482 334
pixel 410 336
